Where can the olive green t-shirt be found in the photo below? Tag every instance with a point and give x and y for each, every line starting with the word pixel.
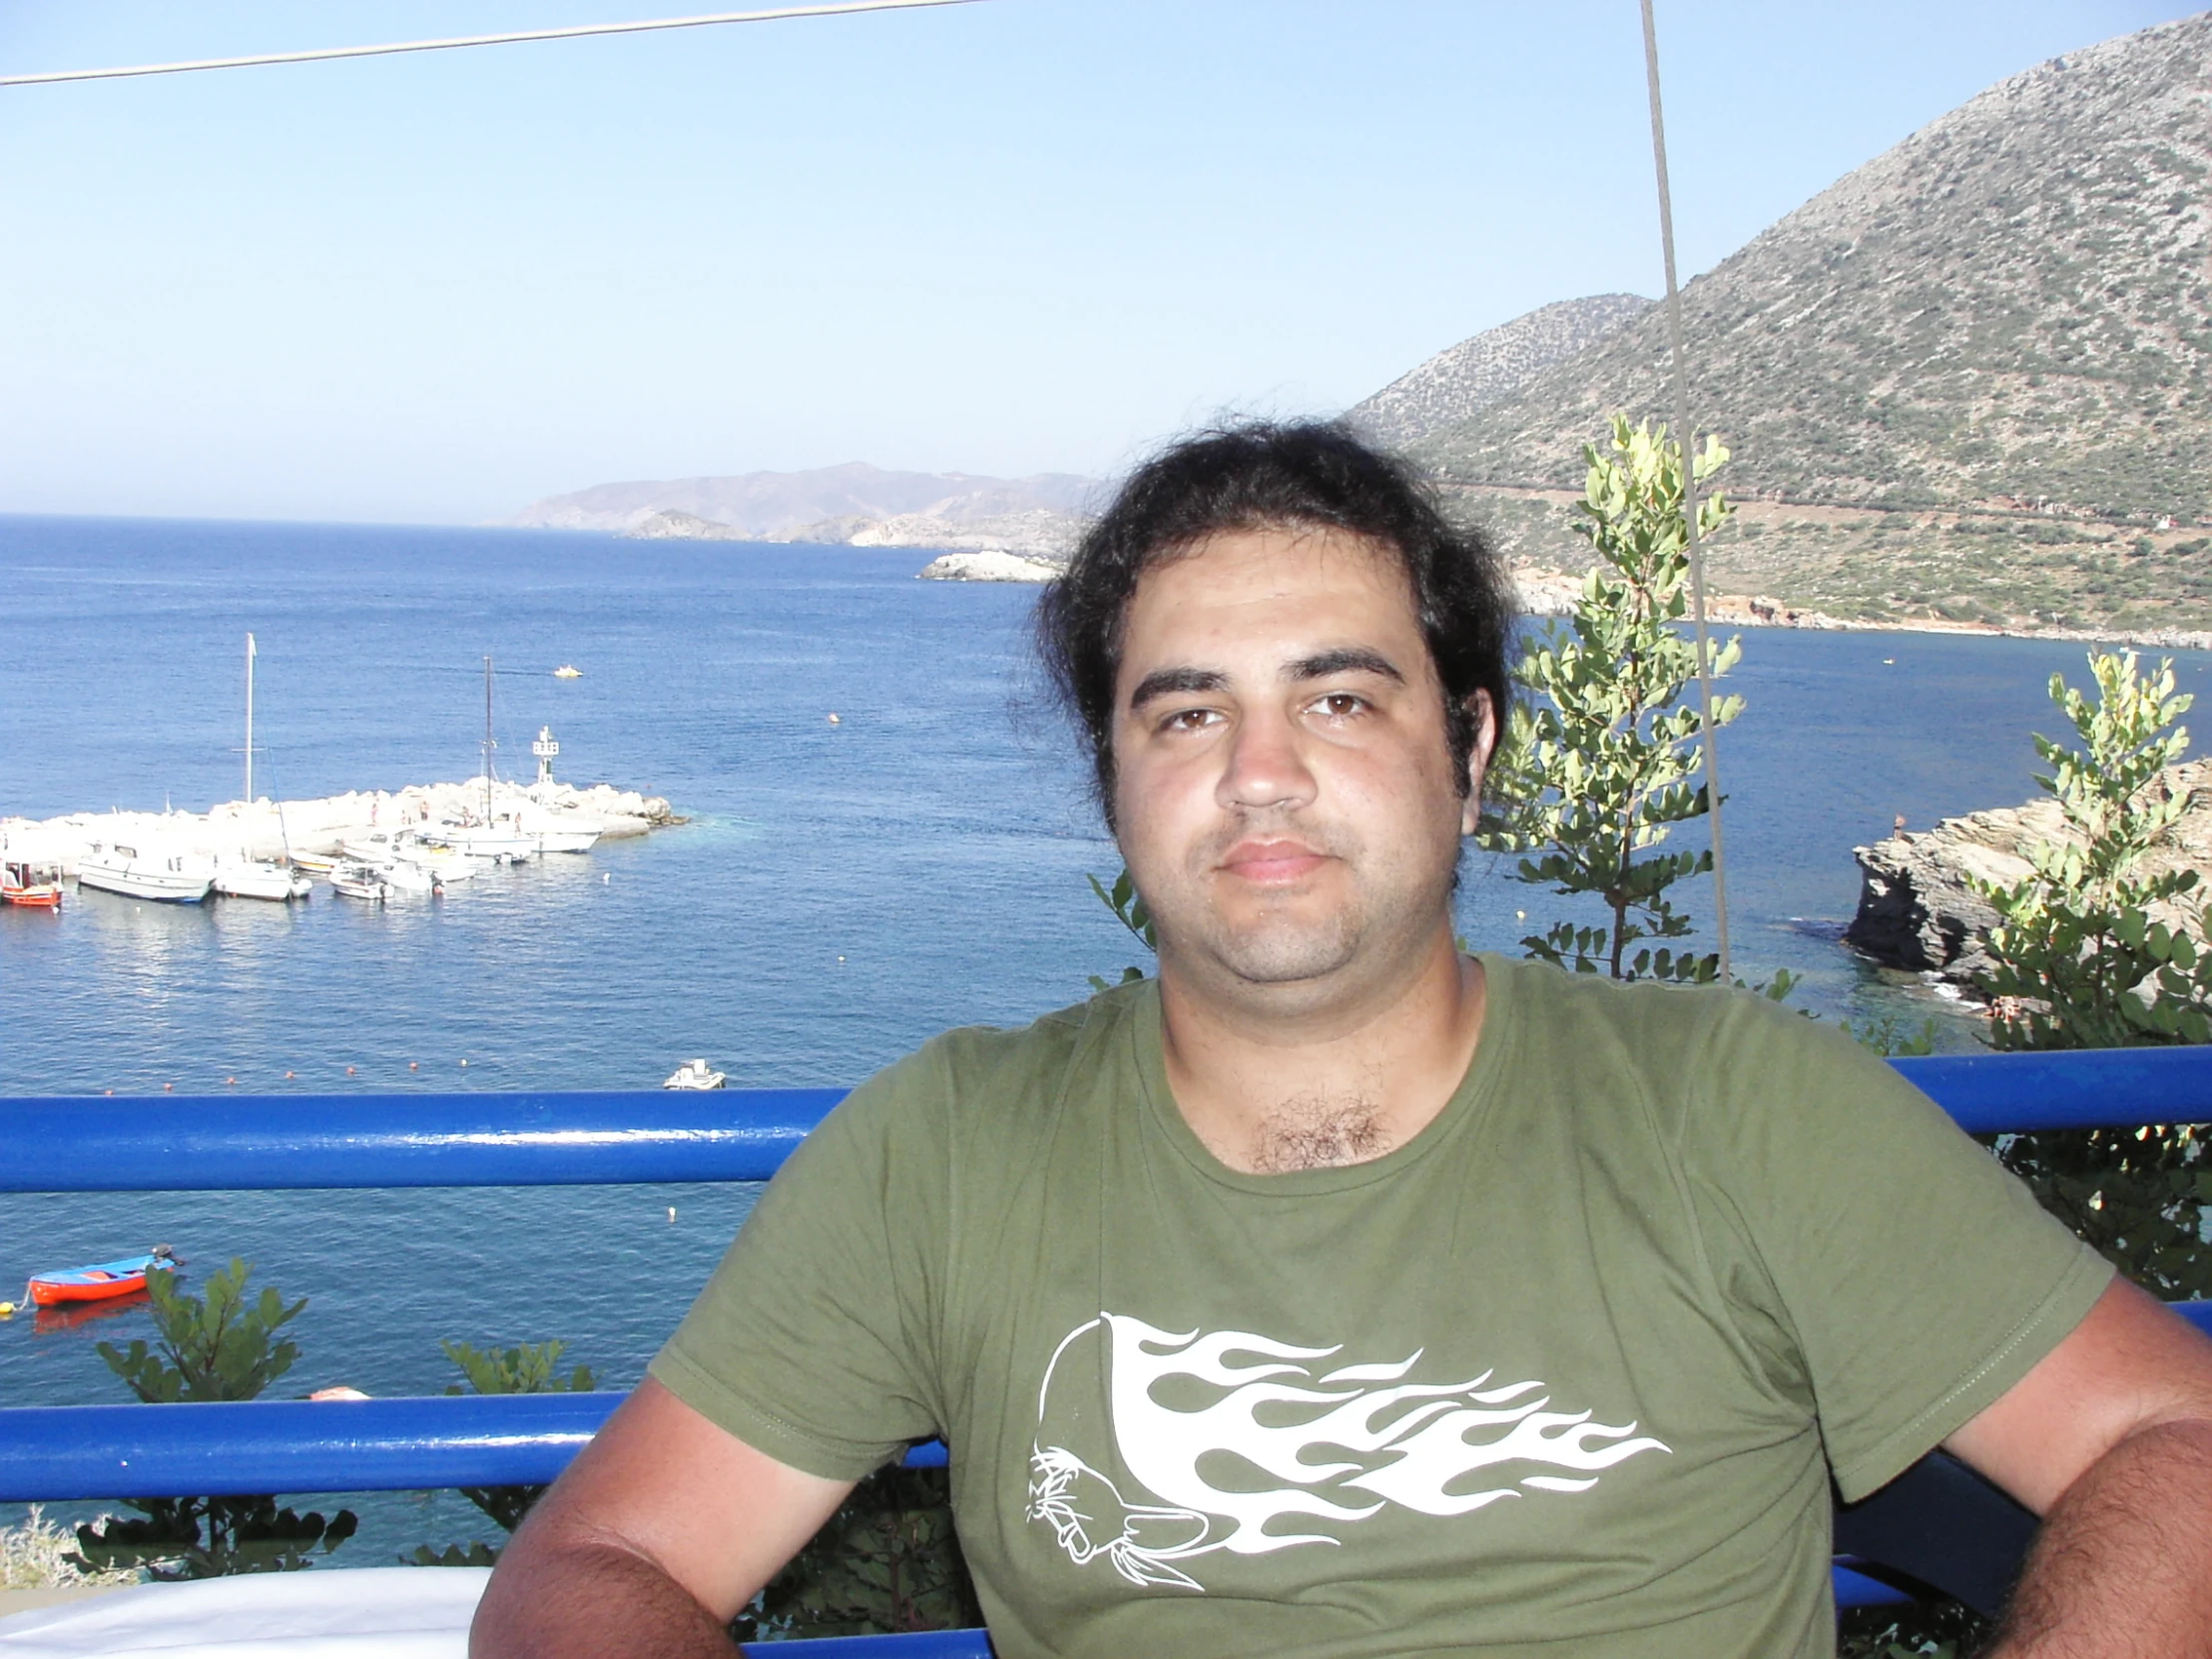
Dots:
pixel 1568 1373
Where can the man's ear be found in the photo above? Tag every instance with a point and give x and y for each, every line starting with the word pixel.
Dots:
pixel 1478 758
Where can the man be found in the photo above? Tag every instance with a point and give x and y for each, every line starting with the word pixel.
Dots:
pixel 1336 1294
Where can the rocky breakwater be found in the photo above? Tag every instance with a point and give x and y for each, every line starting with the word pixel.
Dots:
pixel 1918 908
pixel 267 829
pixel 991 565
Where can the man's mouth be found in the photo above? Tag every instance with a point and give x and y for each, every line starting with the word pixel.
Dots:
pixel 1272 863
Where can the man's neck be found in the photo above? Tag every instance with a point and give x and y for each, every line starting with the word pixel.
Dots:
pixel 1269 1090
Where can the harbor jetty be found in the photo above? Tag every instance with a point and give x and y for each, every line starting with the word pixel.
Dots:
pixel 270 829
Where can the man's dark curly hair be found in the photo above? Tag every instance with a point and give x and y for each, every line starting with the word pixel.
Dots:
pixel 1313 474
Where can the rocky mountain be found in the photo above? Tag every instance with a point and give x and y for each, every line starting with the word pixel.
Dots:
pixel 1972 378
pixel 856 503
pixel 1458 383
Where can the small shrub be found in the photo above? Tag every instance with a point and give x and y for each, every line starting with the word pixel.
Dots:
pixel 211 1347
pixel 526 1368
pixel 35 1555
pixel 887 1561
pixel 2078 963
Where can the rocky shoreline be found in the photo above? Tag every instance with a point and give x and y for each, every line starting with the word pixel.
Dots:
pixel 1545 593
pixel 1918 908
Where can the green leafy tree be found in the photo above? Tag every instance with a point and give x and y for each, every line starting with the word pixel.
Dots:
pixel 1600 763
pixel 1129 908
pixel 218 1346
pixel 526 1368
pixel 2078 962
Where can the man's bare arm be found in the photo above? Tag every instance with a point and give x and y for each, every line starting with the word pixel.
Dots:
pixel 661 1530
pixel 2110 1439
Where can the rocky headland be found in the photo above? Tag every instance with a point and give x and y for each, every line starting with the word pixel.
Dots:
pixel 853 505
pixel 1918 908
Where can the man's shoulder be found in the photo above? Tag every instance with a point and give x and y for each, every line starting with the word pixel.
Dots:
pixel 986 1070
pixel 1641 1019
pixel 1678 1052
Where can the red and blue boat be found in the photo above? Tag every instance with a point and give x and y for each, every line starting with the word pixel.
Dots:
pixel 100 1280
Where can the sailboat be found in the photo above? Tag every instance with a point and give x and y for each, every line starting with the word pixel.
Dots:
pixel 247 876
pixel 489 837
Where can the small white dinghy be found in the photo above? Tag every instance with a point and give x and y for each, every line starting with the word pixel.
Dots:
pixel 358 880
pixel 694 1074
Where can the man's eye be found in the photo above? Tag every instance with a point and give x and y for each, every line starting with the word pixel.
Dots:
pixel 1187 719
pixel 1340 705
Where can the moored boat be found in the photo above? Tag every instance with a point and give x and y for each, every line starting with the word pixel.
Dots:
pixel 402 876
pixel 100 1280
pixel 359 880
pixel 258 878
pixel 35 887
pixel 503 842
pixel 174 878
pixel 408 846
pixel 560 832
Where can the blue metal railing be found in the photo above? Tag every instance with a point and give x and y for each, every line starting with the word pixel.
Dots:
pixel 225 1142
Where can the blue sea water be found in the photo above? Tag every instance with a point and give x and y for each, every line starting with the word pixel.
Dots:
pixel 839 893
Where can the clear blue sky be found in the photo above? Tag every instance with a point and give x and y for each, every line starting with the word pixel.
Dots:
pixel 1012 236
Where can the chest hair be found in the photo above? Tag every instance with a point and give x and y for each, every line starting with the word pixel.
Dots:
pixel 1319 1134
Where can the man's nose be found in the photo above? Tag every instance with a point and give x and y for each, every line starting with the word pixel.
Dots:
pixel 1267 766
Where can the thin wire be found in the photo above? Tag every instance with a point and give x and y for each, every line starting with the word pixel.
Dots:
pixel 1684 438
pixel 581 29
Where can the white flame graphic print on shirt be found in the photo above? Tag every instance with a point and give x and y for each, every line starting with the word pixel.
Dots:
pixel 1344 1442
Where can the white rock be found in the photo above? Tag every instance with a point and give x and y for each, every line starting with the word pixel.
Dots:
pixel 991 565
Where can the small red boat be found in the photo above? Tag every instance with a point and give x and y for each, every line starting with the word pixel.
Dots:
pixel 100 1281
pixel 22 883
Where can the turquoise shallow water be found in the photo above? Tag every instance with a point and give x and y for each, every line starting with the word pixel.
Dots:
pixel 840 891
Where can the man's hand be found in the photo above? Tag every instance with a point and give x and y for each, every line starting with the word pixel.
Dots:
pixel 660 1531
pixel 2110 1439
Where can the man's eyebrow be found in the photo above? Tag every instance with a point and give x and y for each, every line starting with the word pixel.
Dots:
pixel 1172 682
pixel 1351 659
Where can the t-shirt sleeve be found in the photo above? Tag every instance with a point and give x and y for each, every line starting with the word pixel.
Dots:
pixel 814 1339
pixel 1919 1277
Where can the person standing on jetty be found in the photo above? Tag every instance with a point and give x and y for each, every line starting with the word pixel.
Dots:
pixel 1337 1294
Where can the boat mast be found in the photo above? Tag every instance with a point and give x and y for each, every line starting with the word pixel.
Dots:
pixel 487 740
pixel 249 720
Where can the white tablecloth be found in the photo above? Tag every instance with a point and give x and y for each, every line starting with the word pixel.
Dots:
pixel 322 1613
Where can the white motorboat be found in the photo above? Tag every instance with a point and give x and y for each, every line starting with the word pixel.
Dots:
pixel 449 863
pixel 408 846
pixel 694 1074
pixel 402 876
pixel 359 880
pixel 174 878
pixel 258 878
pixel 563 832
pixel 503 842
pixel 369 847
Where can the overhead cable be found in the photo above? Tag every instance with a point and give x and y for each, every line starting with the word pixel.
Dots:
pixel 575 32
pixel 1685 439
